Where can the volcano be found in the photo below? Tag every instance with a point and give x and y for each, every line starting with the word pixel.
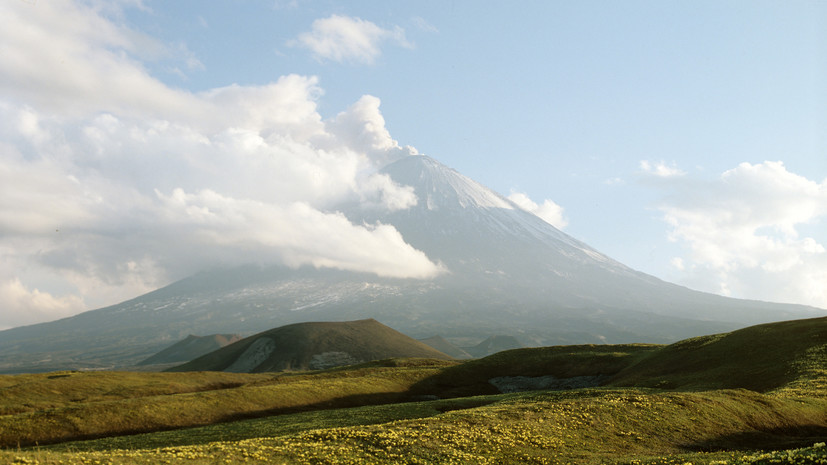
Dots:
pixel 507 272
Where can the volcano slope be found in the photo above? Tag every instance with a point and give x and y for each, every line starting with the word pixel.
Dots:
pixel 726 398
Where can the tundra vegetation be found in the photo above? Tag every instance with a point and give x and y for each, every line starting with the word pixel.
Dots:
pixel 753 396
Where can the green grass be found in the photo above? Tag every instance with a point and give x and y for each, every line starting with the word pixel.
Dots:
pixel 279 425
pixel 36 392
pixel 585 426
pixel 60 419
pixel 754 396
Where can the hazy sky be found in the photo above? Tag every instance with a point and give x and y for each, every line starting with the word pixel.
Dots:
pixel 141 141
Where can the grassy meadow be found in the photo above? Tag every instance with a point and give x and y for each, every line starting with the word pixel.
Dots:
pixel 754 396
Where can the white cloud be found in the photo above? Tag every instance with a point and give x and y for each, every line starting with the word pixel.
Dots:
pixel 423 25
pixel 742 231
pixel 362 128
pixel 296 234
pixel 285 108
pixel 660 169
pixel 22 306
pixel 549 211
pixel 346 39
pixel 85 62
pixel 378 191
pixel 113 184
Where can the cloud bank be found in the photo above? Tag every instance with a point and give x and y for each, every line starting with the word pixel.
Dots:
pixel 746 233
pixel 112 183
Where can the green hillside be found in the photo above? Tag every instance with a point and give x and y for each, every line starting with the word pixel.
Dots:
pixel 788 356
pixel 172 400
pixel 314 345
pixel 472 377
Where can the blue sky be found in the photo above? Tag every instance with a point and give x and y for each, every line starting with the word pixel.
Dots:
pixel 685 139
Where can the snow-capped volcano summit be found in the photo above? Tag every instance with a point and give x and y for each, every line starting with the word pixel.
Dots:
pixel 507 272
pixel 447 196
pixel 438 186
pixel 476 231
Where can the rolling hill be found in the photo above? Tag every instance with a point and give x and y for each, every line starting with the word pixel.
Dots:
pixel 786 357
pixel 761 358
pixel 312 346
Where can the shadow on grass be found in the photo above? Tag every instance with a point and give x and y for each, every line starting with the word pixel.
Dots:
pixel 343 412
pixel 769 439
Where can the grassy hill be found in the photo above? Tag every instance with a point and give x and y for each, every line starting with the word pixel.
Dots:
pixel 728 398
pixel 472 377
pixel 789 355
pixel 317 345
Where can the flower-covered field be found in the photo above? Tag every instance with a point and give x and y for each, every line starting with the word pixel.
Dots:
pixel 588 426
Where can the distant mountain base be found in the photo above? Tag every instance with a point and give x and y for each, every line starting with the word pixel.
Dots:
pixel 190 348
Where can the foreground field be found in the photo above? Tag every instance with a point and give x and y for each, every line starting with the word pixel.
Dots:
pixel 583 426
pixel 659 405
